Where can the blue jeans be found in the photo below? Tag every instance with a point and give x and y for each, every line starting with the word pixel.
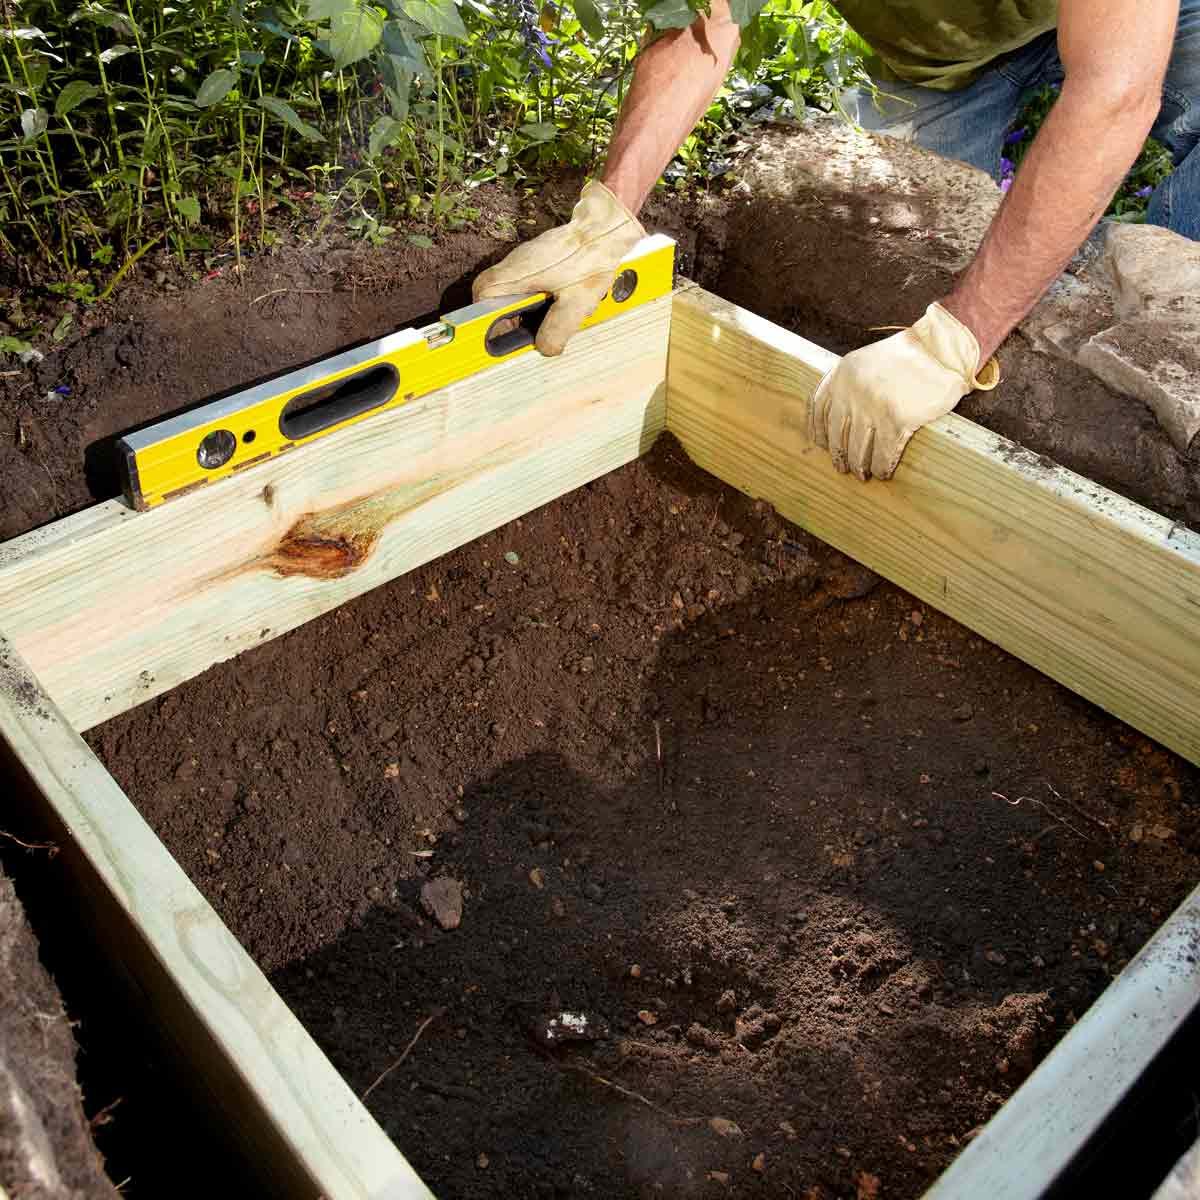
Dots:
pixel 970 124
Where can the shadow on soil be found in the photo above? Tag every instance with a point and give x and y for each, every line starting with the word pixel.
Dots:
pixel 845 943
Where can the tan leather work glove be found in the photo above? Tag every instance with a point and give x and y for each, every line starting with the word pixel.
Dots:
pixel 576 263
pixel 869 406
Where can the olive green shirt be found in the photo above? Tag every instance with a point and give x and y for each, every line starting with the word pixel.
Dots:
pixel 945 44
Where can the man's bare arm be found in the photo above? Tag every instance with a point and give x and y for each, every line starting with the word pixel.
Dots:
pixel 1115 53
pixel 674 81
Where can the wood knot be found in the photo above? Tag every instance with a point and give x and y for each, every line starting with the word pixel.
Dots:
pixel 321 556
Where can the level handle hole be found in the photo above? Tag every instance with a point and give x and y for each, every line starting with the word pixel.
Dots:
pixel 311 412
pixel 516 330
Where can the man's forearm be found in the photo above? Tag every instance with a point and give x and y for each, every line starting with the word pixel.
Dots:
pixel 1115 54
pixel 674 82
pixel 1062 189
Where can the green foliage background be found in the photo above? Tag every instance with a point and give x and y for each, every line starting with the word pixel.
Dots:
pixel 206 123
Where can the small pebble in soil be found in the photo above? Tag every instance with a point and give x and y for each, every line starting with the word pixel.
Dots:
pixel 512 557
pixel 556 1028
pixel 964 712
pixel 995 957
pixel 537 878
pixel 647 1017
pixel 760 1163
pixel 442 899
pixel 723 1127
pixel 727 1001
pixel 482 1162
pixel 867 1186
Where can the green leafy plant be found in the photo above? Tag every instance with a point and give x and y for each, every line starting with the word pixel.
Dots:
pixel 214 123
pixel 1153 164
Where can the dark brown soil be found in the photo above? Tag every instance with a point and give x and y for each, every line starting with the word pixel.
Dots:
pixel 878 869
pixel 868 867
pixel 46 1149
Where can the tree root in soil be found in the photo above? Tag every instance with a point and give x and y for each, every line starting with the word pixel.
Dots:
pixel 416 1037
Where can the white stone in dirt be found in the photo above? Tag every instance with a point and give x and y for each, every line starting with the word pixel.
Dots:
pixel 442 899
pixel 1150 352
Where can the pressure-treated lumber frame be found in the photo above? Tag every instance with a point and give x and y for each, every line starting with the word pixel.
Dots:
pixel 1095 591
pixel 111 608
pixel 115 607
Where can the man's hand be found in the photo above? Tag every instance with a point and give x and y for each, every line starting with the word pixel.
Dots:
pixel 869 406
pixel 576 263
pixel 674 81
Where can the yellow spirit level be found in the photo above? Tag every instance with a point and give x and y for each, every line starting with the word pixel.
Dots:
pixel 226 436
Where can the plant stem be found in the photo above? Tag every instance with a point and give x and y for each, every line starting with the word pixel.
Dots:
pixel 126 265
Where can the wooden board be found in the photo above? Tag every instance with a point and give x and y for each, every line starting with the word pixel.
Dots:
pixel 112 607
pixel 303 1129
pixel 1095 591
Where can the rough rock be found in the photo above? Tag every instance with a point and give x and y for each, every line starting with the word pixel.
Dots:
pixel 1151 352
pixel 46 1149
pixel 442 899
pixel 1183 1183
pixel 1129 312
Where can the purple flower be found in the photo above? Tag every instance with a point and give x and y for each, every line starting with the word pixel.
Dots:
pixel 1005 184
pixel 1007 168
pixel 1143 192
pixel 528 22
pixel 1017 135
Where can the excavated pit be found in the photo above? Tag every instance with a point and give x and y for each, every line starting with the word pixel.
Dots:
pixel 868 868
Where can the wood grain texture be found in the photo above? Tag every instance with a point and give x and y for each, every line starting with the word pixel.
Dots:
pixel 111 607
pixel 1095 591
pixel 302 1128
